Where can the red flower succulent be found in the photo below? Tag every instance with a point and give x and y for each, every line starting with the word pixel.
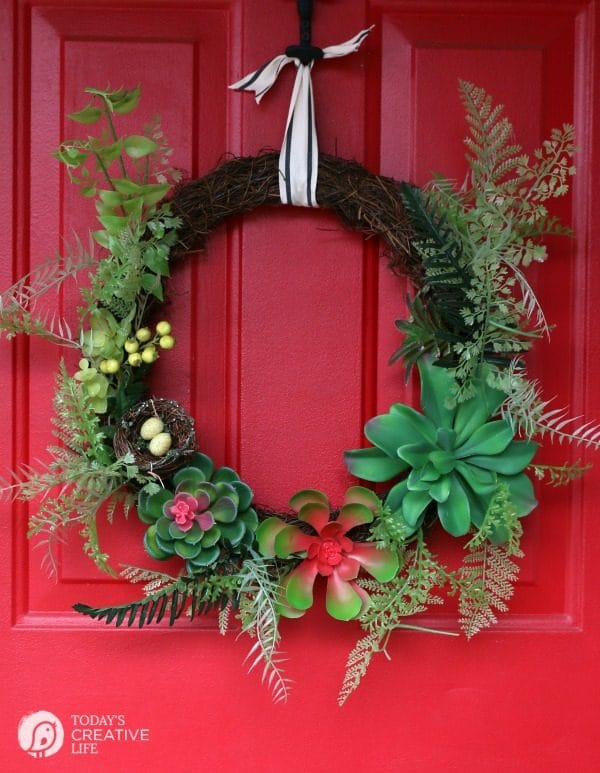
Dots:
pixel 328 552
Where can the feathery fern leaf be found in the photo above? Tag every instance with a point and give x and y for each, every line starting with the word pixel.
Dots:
pixel 560 475
pixel 18 304
pixel 260 592
pixel 487 583
pixel 357 664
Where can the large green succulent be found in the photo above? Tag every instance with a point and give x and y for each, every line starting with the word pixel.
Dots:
pixel 456 457
pixel 206 517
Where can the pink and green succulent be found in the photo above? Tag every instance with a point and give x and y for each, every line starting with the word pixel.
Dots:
pixel 456 457
pixel 327 551
pixel 207 517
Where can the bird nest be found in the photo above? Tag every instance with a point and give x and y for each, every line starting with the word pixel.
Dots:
pixel 177 423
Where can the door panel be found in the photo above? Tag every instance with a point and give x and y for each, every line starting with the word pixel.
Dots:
pixel 284 329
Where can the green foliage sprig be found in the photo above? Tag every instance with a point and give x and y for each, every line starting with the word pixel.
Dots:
pixel 475 303
pixel 261 596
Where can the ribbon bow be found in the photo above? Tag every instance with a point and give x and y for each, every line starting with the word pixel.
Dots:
pixel 299 157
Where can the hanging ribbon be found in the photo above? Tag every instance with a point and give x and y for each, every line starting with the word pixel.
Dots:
pixel 299 157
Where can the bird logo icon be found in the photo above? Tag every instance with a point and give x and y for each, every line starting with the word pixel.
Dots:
pixel 40 734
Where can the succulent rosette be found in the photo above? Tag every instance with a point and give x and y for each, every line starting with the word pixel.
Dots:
pixel 206 517
pixel 456 456
pixel 327 551
pixel 105 336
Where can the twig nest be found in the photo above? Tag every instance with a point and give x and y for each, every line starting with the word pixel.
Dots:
pixel 159 434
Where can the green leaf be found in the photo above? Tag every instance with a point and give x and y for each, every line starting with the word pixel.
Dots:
pixel 152 193
pixel 151 545
pixel 163 526
pixel 187 550
pixel 373 464
pixel 156 263
pixel 483 482
pixel 245 494
pixel 188 479
pixel 517 455
pixel 224 510
pixel 127 187
pixel 202 462
pixel 204 558
pixel 111 198
pixel 150 507
pixel 436 386
pixel 114 224
pixel 151 284
pixel 415 454
pixel 211 537
pixel 125 100
pixel 521 493
pixel 71 157
pixel 413 505
pixel 88 115
pixel 134 207
pixel 455 512
pixel 138 146
pixel 233 532
pixel 250 519
pixel 110 153
pixel 491 438
pixel 102 238
pixel 225 475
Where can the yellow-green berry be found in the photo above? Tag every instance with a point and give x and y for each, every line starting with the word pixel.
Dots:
pixel 135 359
pixel 143 334
pixel 166 342
pixel 103 367
pixel 112 365
pixel 131 345
pixel 163 328
pixel 149 354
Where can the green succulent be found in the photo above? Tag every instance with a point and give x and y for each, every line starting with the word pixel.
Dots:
pixel 94 384
pixel 456 457
pixel 203 516
pixel 105 337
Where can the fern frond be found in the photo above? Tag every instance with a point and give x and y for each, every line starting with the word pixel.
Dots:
pixel 47 325
pixel 171 599
pixel 488 576
pixel 153 580
pixel 19 302
pixel 259 598
pixel 560 475
pixel 357 664
pixel 492 159
pixel 46 276
pixel 224 618
pixel 91 545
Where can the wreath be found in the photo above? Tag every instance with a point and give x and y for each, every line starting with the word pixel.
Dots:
pixel 462 464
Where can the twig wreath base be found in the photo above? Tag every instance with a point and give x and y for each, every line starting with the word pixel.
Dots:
pixel 362 201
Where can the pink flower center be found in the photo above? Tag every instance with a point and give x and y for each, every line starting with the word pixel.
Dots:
pixel 182 512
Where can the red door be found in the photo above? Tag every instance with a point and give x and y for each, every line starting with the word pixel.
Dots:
pixel 284 333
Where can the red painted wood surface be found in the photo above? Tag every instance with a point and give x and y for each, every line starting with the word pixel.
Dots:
pixel 285 329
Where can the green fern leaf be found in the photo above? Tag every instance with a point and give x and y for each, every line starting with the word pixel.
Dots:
pixel 357 664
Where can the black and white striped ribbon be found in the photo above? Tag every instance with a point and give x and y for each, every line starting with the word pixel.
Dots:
pixel 299 157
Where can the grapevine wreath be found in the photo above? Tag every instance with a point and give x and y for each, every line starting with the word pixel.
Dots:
pixel 462 463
